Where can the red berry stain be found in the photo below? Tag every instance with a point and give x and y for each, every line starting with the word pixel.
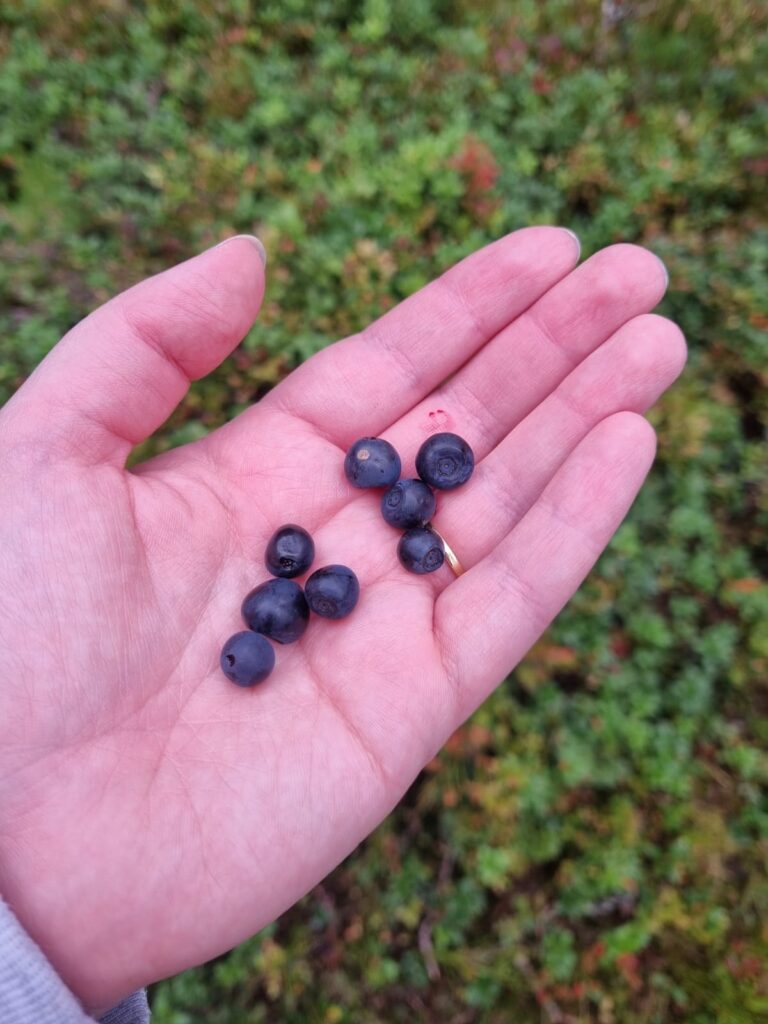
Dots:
pixel 438 420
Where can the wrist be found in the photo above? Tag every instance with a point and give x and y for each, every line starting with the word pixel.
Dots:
pixel 56 897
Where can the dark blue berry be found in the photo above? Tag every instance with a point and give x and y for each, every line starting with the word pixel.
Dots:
pixel 332 591
pixel 420 550
pixel 247 658
pixel 278 609
pixel 445 461
pixel 289 552
pixel 372 462
pixel 408 503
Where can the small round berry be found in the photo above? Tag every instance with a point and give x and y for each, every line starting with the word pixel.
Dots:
pixel 332 591
pixel 290 552
pixel 278 609
pixel 372 462
pixel 445 461
pixel 247 658
pixel 420 550
pixel 408 503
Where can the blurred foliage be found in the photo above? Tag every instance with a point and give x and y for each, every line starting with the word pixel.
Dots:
pixel 592 847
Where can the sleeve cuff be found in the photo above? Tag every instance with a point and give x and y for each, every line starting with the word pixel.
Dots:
pixel 133 1010
pixel 31 992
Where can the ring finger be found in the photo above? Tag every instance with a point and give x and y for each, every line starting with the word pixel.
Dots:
pixel 627 373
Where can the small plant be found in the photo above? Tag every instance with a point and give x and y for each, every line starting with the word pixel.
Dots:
pixel 591 847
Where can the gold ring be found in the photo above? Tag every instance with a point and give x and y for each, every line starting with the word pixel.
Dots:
pixel 450 554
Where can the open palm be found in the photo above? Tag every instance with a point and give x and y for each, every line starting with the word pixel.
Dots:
pixel 152 814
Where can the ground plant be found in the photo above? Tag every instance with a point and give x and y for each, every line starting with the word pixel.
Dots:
pixel 592 847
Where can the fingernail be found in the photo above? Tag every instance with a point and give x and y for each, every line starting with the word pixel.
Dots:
pixel 666 272
pixel 575 237
pixel 255 242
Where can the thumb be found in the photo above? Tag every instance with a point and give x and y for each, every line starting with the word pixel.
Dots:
pixel 119 373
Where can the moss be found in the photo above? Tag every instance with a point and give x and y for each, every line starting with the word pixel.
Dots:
pixel 592 846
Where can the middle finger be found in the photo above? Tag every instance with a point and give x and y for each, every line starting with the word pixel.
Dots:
pixel 518 368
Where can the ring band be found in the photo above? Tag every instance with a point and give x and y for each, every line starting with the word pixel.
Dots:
pixel 450 554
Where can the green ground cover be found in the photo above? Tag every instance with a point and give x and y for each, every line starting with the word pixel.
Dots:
pixel 592 847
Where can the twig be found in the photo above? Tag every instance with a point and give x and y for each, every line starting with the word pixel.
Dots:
pixel 427 950
pixel 548 1005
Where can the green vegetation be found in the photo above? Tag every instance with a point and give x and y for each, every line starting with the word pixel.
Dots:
pixel 592 847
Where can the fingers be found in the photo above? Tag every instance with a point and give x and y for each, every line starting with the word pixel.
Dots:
pixel 120 372
pixel 628 372
pixel 521 365
pixel 487 619
pixel 362 385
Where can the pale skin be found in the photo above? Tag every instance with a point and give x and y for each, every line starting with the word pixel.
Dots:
pixel 153 815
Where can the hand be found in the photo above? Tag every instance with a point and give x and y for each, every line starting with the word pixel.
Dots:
pixel 153 815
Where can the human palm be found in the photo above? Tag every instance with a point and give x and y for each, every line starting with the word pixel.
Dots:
pixel 151 814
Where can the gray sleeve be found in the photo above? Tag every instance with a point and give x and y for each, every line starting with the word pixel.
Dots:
pixel 31 992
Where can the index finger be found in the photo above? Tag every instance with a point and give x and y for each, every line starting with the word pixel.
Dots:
pixel 362 385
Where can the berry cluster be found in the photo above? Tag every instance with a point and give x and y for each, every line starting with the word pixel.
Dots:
pixel 444 461
pixel 279 608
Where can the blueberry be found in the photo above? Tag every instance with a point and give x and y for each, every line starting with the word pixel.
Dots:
pixel 372 462
pixel 420 550
pixel 408 503
pixel 289 552
pixel 247 658
pixel 332 591
pixel 278 609
pixel 445 461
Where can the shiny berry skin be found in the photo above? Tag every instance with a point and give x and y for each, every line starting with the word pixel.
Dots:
pixel 278 609
pixel 372 462
pixel 445 461
pixel 332 591
pixel 290 552
pixel 420 550
pixel 247 658
pixel 408 503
